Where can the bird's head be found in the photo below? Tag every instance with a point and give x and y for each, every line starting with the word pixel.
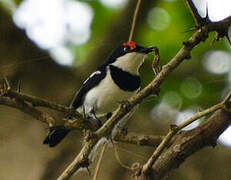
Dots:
pixel 129 56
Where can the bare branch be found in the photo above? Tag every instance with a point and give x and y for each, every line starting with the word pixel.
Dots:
pixel 36 101
pixel 146 168
pixel 134 20
pixel 192 141
pixel 155 65
pixel 99 161
pixel 27 104
pixel 141 140
pixel 28 109
pixel 119 160
pixel 82 158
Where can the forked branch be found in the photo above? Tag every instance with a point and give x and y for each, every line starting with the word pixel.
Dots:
pixel 175 129
pixel 184 53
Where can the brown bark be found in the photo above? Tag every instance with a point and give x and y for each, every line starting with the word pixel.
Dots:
pixel 187 143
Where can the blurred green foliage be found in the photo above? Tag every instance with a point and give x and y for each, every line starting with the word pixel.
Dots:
pixel 169 41
pixel 59 84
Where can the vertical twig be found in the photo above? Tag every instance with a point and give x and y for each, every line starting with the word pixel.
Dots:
pixel 81 160
pixel 118 158
pixel 19 86
pixel 99 161
pixel 134 20
pixel 6 83
pixel 155 65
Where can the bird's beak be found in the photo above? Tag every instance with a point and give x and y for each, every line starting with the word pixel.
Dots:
pixel 147 50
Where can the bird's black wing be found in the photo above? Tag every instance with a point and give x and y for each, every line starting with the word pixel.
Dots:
pixel 91 82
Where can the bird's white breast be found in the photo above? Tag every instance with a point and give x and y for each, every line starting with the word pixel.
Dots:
pixel 105 97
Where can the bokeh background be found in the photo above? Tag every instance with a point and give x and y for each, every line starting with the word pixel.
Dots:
pixel 52 46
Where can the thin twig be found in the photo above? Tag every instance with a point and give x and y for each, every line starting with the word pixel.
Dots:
pixel 184 52
pixel 141 140
pixel 36 101
pixel 99 161
pixel 79 123
pixel 189 142
pixel 6 83
pixel 28 109
pixel 119 160
pixel 19 86
pixel 82 159
pixel 25 103
pixel 134 20
pixel 155 65
pixel 175 129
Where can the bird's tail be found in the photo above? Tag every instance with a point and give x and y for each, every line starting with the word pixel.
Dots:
pixel 55 136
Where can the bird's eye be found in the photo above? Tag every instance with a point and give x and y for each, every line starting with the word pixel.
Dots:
pixel 69 117
pixel 126 48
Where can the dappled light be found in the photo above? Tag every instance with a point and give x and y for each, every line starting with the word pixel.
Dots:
pixel 114 3
pixel 159 114
pixel 158 19
pixel 62 55
pixel 191 88
pixel 173 99
pixel 185 115
pixel 217 62
pixel 61 22
pixel 158 104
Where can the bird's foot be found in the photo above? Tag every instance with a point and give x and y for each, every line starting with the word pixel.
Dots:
pixel 108 115
pixel 122 130
pixel 125 104
pixel 98 122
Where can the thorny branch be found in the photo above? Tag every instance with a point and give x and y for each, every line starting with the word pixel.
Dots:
pixel 36 101
pixel 27 104
pixel 28 109
pixel 200 35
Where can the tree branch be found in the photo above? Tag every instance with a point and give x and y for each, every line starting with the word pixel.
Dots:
pixel 141 140
pixel 27 104
pixel 17 100
pixel 36 101
pixel 134 20
pixel 188 142
pixel 28 109
pixel 200 35
pixel 31 102
pixel 174 129
pixel 99 162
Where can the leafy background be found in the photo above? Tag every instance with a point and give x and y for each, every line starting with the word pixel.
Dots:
pixel 198 83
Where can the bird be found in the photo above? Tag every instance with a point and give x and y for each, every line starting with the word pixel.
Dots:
pixel 116 80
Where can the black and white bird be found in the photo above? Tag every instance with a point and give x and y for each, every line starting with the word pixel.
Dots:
pixel 114 81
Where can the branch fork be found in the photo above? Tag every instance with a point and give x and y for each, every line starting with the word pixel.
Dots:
pixel 175 129
pixel 28 104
